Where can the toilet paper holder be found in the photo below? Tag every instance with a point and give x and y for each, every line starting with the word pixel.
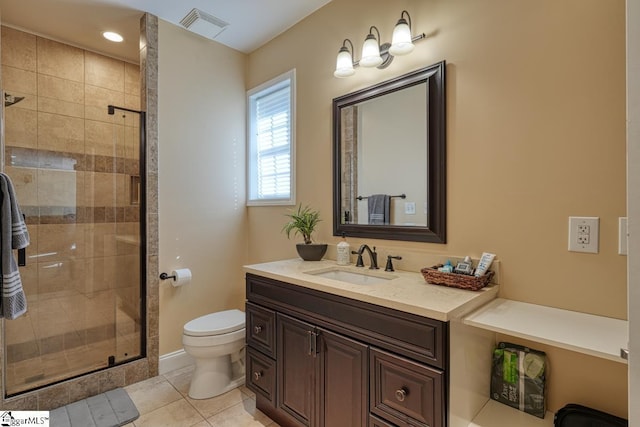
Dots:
pixel 165 276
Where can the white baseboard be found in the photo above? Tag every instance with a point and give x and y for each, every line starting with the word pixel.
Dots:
pixel 175 360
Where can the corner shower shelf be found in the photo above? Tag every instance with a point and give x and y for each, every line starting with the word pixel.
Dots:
pixel 584 333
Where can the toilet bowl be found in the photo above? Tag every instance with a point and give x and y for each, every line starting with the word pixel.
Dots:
pixel 216 342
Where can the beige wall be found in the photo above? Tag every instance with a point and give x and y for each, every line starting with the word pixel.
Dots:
pixel 535 133
pixel 201 178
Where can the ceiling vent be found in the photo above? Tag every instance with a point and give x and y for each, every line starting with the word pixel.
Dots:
pixel 204 24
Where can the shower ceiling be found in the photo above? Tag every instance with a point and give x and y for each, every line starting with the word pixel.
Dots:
pixel 81 22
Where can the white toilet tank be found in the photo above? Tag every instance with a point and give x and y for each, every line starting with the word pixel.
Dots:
pixel 222 322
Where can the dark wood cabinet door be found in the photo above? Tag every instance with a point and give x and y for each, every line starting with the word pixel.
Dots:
pixel 343 381
pixel 296 369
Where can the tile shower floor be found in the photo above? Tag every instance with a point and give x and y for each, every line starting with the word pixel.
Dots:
pixel 163 401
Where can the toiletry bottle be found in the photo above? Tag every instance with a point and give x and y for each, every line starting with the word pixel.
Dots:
pixel 484 264
pixel 464 267
pixel 446 268
pixel 344 251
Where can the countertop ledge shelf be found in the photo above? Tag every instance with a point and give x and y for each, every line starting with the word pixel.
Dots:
pixel 496 414
pixel 584 333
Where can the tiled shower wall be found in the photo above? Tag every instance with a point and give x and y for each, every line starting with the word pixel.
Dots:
pixel 73 88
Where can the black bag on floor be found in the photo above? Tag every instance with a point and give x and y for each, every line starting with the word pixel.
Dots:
pixel 573 415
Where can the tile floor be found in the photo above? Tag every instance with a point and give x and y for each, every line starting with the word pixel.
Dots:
pixel 163 401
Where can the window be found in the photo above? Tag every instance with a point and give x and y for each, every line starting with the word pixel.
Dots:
pixel 271 160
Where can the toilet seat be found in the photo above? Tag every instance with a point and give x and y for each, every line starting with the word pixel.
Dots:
pixel 220 323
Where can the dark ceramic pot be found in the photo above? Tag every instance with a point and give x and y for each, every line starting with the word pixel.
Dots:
pixel 311 251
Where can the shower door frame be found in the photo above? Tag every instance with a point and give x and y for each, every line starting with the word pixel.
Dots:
pixel 143 232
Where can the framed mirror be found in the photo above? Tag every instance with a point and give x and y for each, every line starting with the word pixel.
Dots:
pixel 389 159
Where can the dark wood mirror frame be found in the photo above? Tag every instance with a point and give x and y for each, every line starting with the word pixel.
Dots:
pixel 435 231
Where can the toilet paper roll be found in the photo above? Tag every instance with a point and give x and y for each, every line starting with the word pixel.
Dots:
pixel 182 276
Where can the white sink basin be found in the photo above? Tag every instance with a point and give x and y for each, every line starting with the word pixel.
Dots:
pixel 357 278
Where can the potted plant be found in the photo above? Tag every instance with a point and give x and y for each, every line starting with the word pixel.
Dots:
pixel 303 221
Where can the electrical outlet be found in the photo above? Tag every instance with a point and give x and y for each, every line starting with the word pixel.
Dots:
pixel 583 234
pixel 410 208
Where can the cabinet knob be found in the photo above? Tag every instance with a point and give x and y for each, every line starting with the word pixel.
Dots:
pixel 401 394
pixel 257 375
pixel 257 329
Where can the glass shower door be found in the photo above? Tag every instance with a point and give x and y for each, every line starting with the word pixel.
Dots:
pixel 128 299
pixel 83 275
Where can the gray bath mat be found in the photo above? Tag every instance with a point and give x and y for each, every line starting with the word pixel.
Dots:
pixel 111 409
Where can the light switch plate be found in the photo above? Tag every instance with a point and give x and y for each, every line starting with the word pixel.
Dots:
pixel 622 235
pixel 584 234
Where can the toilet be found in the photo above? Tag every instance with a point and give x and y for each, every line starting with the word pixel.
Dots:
pixel 216 342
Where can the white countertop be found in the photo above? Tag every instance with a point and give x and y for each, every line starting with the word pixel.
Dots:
pixel 406 291
pixel 585 333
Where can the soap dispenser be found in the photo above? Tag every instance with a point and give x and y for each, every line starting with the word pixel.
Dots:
pixel 343 250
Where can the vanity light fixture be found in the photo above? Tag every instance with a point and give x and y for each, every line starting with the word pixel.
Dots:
pixel 401 42
pixel 371 50
pixel 344 63
pixel 375 54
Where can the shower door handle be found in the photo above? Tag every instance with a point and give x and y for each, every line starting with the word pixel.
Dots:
pixel 22 253
pixel 22 257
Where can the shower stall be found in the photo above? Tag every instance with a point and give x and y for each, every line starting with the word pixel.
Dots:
pixel 77 168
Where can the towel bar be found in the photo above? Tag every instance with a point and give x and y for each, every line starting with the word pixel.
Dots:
pixel 402 196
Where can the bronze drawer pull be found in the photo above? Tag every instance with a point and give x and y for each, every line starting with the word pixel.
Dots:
pixel 257 375
pixel 257 329
pixel 401 394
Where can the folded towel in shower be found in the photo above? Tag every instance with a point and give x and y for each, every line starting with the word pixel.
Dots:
pixel 379 208
pixel 13 235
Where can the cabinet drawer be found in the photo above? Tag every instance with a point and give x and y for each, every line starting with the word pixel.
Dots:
pixel 377 422
pixel 405 392
pixel 261 329
pixel 261 374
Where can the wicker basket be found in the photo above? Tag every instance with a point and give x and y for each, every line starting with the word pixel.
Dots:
pixel 454 280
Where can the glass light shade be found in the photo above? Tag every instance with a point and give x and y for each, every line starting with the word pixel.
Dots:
pixel 401 43
pixel 344 64
pixel 370 52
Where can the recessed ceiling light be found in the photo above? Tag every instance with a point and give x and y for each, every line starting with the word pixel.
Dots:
pixel 114 37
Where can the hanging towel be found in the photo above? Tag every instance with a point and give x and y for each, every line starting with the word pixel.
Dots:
pixel 13 235
pixel 379 208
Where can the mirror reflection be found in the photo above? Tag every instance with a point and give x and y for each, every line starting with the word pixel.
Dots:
pixel 378 138
pixel 389 159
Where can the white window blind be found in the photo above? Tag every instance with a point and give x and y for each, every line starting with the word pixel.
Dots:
pixel 271 142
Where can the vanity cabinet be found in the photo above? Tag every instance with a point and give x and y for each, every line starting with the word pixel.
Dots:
pixel 318 359
pixel 322 375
